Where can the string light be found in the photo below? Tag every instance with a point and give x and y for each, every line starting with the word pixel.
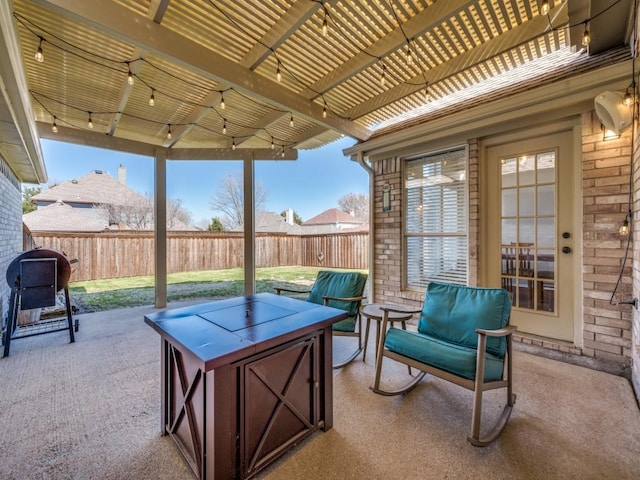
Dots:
pixel 130 79
pixel 90 121
pixel 233 143
pixel 282 153
pixel 54 126
pixel 224 126
pixel 408 55
pixel 222 104
pixel 169 132
pixel 324 111
pixel 586 36
pixel 383 75
pixel 273 145
pixel 544 7
pixel 39 54
pixel 291 120
pixel 278 73
pixel 325 23
pixel 152 98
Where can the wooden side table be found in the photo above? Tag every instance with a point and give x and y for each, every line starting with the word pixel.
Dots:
pixel 374 311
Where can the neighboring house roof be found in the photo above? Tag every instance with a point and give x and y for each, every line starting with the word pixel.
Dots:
pixel 273 223
pixel 61 217
pixel 96 187
pixel 334 216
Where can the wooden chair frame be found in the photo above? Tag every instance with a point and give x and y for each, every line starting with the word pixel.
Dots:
pixel 478 386
pixel 338 333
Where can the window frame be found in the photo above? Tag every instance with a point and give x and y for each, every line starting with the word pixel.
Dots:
pixel 411 285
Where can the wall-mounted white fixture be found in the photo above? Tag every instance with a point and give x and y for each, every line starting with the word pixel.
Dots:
pixel 613 114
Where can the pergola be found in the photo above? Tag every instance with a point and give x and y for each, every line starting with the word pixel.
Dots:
pixel 257 80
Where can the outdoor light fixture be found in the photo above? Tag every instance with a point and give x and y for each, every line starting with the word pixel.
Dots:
pixel 291 121
pixel 544 7
pixel 383 75
pixel 224 126
pixel 152 98
pixel 627 101
pixel 90 121
pixel 222 104
pixel 273 145
pixel 408 55
pixel 233 143
pixel 39 55
pixel 625 227
pixel 278 74
pixel 586 36
pixel 169 132
pixel 54 126
pixel 324 111
pixel 130 79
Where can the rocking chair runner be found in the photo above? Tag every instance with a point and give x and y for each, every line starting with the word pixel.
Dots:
pixel 341 290
pixel 463 337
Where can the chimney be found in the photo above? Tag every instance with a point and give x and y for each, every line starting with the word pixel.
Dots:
pixel 289 217
pixel 122 174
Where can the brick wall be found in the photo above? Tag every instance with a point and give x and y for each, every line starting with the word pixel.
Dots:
pixel 605 190
pixel 10 228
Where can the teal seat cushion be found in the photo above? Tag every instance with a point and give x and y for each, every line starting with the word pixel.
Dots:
pixel 453 312
pixel 341 285
pixel 455 359
pixel 346 325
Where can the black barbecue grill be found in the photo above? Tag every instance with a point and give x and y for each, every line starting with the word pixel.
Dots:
pixel 35 278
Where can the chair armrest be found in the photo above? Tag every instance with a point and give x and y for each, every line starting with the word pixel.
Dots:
pixel 501 332
pixel 326 299
pixel 283 289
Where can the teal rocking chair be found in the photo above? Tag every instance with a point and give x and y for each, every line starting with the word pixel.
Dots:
pixel 463 337
pixel 343 290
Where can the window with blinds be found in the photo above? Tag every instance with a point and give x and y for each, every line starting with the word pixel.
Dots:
pixel 435 227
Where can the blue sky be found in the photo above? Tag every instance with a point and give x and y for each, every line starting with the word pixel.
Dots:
pixel 309 185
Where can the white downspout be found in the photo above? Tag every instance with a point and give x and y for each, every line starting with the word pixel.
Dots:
pixel 360 159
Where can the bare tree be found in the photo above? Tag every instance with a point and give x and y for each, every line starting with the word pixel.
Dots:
pixel 228 199
pixel 358 203
pixel 136 212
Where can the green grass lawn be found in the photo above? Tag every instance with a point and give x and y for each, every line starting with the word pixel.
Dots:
pixel 98 295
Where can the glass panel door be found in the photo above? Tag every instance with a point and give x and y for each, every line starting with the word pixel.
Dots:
pixel 528 220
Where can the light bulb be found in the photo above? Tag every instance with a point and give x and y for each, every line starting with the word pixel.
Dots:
pixel 383 75
pixel 169 132
pixel 291 121
pixel 324 111
pixel 233 144
pixel 325 26
pixel 222 104
pixel 130 79
pixel 544 7
pixel 90 121
pixel 627 101
pixel 586 36
pixel 282 152
pixel 152 99
pixel 39 54
pixel 624 228
pixel 273 145
pixel 54 126
pixel 224 127
pixel 278 74
pixel 409 56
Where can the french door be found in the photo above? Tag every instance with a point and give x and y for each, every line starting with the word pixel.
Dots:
pixel 530 238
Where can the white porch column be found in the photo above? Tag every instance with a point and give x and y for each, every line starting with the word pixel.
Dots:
pixel 249 227
pixel 160 227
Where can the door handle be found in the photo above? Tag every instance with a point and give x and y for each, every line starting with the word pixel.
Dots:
pixel 566 249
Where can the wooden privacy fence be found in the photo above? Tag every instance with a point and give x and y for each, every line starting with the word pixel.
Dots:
pixel 131 253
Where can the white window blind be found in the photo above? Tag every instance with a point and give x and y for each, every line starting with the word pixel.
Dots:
pixel 436 218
